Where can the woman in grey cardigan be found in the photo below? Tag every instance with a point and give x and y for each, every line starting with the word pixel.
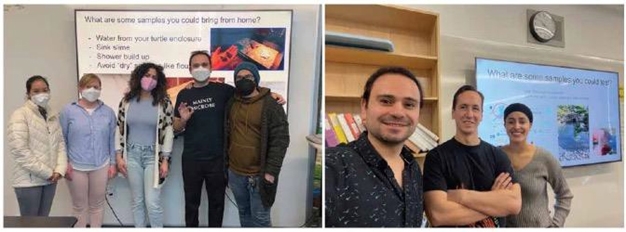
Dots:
pixel 534 168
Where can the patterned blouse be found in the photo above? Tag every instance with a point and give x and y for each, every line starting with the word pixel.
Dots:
pixel 361 190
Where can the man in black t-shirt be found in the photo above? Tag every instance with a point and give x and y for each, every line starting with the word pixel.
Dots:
pixel 200 114
pixel 467 181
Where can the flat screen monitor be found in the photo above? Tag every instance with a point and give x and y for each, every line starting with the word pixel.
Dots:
pixel 575 111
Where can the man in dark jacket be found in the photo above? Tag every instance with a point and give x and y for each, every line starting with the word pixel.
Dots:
pixel 257 137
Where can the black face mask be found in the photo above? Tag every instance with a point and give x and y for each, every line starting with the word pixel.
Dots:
pixel 245 86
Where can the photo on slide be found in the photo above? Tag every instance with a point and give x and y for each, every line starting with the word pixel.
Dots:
pixel 573 132
pixel 604 142
pixel 261 46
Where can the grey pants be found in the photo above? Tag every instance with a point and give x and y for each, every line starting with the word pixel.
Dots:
pixel 35 201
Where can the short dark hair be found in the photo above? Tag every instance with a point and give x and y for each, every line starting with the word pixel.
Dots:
pixel 200 52
pixel 518 107
pixel 393 70
pixel 464 89
pixel 31 80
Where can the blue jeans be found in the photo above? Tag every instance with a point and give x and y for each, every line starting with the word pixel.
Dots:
pixel 252 213
pixel 141 178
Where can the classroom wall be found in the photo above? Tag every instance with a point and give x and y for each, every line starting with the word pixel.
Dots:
pixel 40 39
pixel 594 39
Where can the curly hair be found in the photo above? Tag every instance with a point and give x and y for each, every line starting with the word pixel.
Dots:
pixel 159 93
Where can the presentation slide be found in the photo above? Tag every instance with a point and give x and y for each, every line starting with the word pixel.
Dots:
pixel 112 43
pixel 576 111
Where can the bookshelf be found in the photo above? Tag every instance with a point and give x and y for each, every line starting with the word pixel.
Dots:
pixel 415 35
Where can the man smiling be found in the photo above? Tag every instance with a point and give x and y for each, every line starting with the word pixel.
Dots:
pixel 467 181
pixel 374 181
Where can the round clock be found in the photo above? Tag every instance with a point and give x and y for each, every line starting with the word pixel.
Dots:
pixel 542 26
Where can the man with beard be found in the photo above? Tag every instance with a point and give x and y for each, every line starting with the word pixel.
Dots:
pixel 374 181
pixel 469 182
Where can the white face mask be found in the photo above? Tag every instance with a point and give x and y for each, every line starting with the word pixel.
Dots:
pixel 41 99
pixel 201 74
pixel 91 94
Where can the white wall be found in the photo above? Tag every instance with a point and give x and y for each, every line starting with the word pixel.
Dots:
pixel 40 39
pixel 594 38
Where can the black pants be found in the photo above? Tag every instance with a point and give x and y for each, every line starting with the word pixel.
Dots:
pixel 213 175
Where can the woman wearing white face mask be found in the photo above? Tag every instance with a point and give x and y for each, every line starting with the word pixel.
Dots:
pixel 36 143
pixel 89 131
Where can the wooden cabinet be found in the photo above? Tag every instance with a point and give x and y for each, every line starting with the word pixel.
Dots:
pixel 415 35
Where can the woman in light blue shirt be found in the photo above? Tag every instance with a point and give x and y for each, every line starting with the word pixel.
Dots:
pixel 89 131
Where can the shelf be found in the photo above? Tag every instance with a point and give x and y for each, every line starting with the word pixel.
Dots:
pixel 415 36
pixel 378 58
pixel 346 98
pixel 384 16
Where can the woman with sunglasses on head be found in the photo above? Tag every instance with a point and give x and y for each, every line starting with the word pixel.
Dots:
pixel 145 136
pixel 89 131
pixel 36 143
pixel 534 168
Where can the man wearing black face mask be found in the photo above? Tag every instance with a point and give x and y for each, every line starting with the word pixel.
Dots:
pixel 257 137
pixel 200 114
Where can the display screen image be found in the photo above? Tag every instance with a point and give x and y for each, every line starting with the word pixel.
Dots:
pixel 575 111
pixel 261 46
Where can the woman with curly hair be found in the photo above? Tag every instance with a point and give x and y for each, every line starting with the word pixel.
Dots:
pixel 144 141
